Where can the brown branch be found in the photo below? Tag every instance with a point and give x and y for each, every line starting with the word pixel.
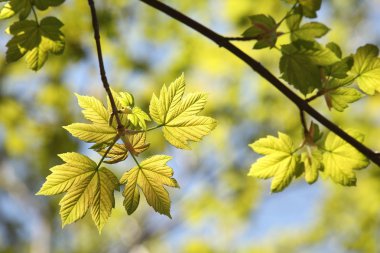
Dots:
pixel 103 76
pixel 257 67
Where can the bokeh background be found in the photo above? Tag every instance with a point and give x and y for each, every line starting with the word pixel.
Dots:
pixel 218 208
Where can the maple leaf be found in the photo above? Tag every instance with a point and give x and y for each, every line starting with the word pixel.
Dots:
pixel 150 176
pixel 178 115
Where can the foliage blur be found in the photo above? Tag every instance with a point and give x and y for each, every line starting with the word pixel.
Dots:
pixel 218 208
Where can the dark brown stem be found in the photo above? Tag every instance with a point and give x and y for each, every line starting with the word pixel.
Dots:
pixel 303 122
pixel 257 67
pixel 241 38
pixel 103 76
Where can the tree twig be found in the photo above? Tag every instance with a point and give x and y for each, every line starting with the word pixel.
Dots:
pixel 257 67
pixel 103 76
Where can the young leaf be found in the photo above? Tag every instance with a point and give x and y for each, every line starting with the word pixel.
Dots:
pixel 279 161
pixel 85 186
pixel 138 117
pixel 310 7
pixel 340 98
pixel 312 164
pixel 92 132
pixel 366 69
pixel 93 110
pixel 150 176
pixel 178 116
pixel 35 41
pixel 340 158
pixel 263 29
pixel 309 31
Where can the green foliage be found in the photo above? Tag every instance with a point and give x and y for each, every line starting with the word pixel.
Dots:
pixel 263 29
pixel 90 186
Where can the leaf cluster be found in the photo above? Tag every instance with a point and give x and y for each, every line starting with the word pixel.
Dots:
pixel 89 185
pixel 35 39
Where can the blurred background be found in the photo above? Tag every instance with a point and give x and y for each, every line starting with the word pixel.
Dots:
pixel 218 208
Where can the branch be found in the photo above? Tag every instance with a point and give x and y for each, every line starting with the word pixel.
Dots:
pixel 103 76
pixel 257 67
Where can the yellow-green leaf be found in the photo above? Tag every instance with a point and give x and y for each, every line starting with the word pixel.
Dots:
pixel 366 69
pixel 312 164
pixel 104 199
pixel 93 109
pixel 340 98
pixel 91 132
pixel 76 169
pixel 340 159
pixel 150 177
pixel 279 161
pixel 178 115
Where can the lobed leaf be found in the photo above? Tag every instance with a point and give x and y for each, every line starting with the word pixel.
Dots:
pixel 340 159
pixel 279 161
pixel 150 176
pixel 92 132
pixel 178 115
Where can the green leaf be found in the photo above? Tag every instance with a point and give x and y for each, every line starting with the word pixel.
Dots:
pixel 312 162
pixel 299 64
pixel 310 7
pixel 279 161
pixel 309 31
pixel 263 29
pixel 340 159
pixel 366 69
pixel 93 109
pixel 44 4
pixel 12 7
pixel 35 41
pixel 293 21
pixel 178 115
pixel 340 69
pixel 150 177
pixel 86 187
pixel 335 48
pixel 92 132
pixel 119 98
pixel 340 98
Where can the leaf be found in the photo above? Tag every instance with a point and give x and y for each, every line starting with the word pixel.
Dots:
pixel 340 158
pixel 91 132
pixel 93 109
pixel 309 31
pixel 312 164
pixel 340 98
pixel 104 199
pixel 178 115
pixel 340 69
pixel 85 186
pixel 299 64
pixel 119 98
pixel 76 169
pixel 263 29
pixel 279 161
pixel 310 7
pixel 35 41
pixel 12 7
pixel 44 4
pixel 366 69
pixel 335 49
pixel 119 152
pixel 138 117
pixel 150 177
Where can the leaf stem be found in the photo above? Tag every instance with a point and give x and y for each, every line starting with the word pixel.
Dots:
pixel 35 15
pixel 265 73
pixel 103 76
pixel 142 131
pixel 107 151
pixel 135 159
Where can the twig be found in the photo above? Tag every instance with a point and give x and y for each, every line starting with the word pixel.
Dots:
pixel 103 76
pixel 257 67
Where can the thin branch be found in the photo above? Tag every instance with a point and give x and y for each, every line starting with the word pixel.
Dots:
pixel 107 151
pixel 257 67
pixel 103 76
pixel 303 122
pixel 241 38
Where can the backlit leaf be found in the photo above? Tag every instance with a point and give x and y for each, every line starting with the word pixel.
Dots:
pixel 279 161
pixel 93 109
pixel 310 31
pixel 150 177
pixel 340 159
pixel 178 115
pixel 92 132
pixel 263 29
pixel 366 69
pixel 340 98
